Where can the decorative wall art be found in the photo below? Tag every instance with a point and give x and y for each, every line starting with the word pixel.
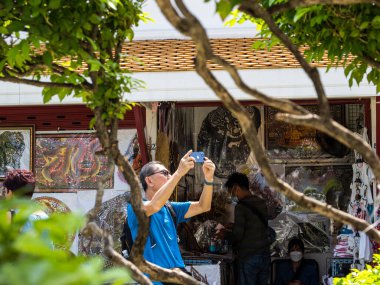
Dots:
pixel 284 141
pixel 65 162
pixel 16 148
pixel 53 205
pixel 131 153
pixel 110 218
pixel 221 139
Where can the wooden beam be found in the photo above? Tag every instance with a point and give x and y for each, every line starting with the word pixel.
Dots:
pixel 140 126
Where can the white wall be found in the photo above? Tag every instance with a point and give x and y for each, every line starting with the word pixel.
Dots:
pixel 279 83
pixel 188 86
pixel 205 12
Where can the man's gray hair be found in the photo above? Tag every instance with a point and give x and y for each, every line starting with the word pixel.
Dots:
pixel 148 170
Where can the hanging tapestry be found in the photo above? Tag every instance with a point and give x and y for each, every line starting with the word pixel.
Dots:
pixel 110 218
pixel 221 139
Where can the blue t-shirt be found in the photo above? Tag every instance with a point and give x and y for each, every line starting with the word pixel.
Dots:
pixel 162 246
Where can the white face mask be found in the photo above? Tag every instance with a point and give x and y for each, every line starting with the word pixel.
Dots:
pixel 296 256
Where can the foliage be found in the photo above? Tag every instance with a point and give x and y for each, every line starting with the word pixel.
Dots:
pixel 75 44
pixel 371 275
pixel 28 258
pixel 346 34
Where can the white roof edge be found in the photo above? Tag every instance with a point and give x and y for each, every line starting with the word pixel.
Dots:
pixel 187 86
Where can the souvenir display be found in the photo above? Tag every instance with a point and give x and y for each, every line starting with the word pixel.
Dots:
pixel 289 142
pixel 329 184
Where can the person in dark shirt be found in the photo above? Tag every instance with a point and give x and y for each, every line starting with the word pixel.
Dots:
pixel 249 234
pixel 296 270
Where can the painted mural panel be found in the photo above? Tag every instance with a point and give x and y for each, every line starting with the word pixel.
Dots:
pixel 67 162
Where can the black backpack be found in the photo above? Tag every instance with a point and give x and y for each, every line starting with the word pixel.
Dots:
pixel 126 235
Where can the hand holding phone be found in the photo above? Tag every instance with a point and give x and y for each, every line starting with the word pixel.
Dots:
pixel 199 156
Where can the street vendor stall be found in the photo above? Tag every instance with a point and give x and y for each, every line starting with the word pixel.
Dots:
pixel 311 162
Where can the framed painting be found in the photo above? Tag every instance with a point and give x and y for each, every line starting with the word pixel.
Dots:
pixel 289 142
pixel 16 148
pixel 67 162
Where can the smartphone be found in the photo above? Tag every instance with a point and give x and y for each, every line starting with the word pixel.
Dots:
pixel 199 156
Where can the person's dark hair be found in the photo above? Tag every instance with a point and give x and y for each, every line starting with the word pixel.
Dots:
pixel 147 170
pixel 296 241
pixel 21 181
pixel 239 179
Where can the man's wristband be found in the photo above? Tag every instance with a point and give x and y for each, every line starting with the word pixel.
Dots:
pixel 209 183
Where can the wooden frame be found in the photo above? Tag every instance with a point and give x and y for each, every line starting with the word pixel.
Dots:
pixel 16 148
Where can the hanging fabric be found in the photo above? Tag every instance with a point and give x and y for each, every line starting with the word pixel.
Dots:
pixel 162 142
pixel 361 205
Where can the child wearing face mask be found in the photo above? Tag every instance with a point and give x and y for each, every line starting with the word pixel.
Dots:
pixel 296 270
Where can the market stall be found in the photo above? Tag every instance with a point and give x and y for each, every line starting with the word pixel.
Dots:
pixel 313 163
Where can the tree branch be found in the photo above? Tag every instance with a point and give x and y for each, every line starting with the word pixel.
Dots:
pixel 248 127
pixel 9 78
pixel 168 275
pixel 37 63
pixel 371 61
pixel 292 4
pixel 100 191
pixel 137 275
pixel 255 10
pixel 206 50
pixel 338 132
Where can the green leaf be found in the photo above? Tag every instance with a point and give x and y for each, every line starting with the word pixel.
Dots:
pixel 355 33
pixel 300 13
pixel 54 4
pixel 47 94
pixel 12 55
pixel 94 65
pixel 47 58
pixel 3 30
pixel 364 25
pixel 35 2
pixel 15 26
pixel 94 18
pixel 112 4
pixel 93 44
pixel 63 93
pixel 376 22
pixel 224 8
